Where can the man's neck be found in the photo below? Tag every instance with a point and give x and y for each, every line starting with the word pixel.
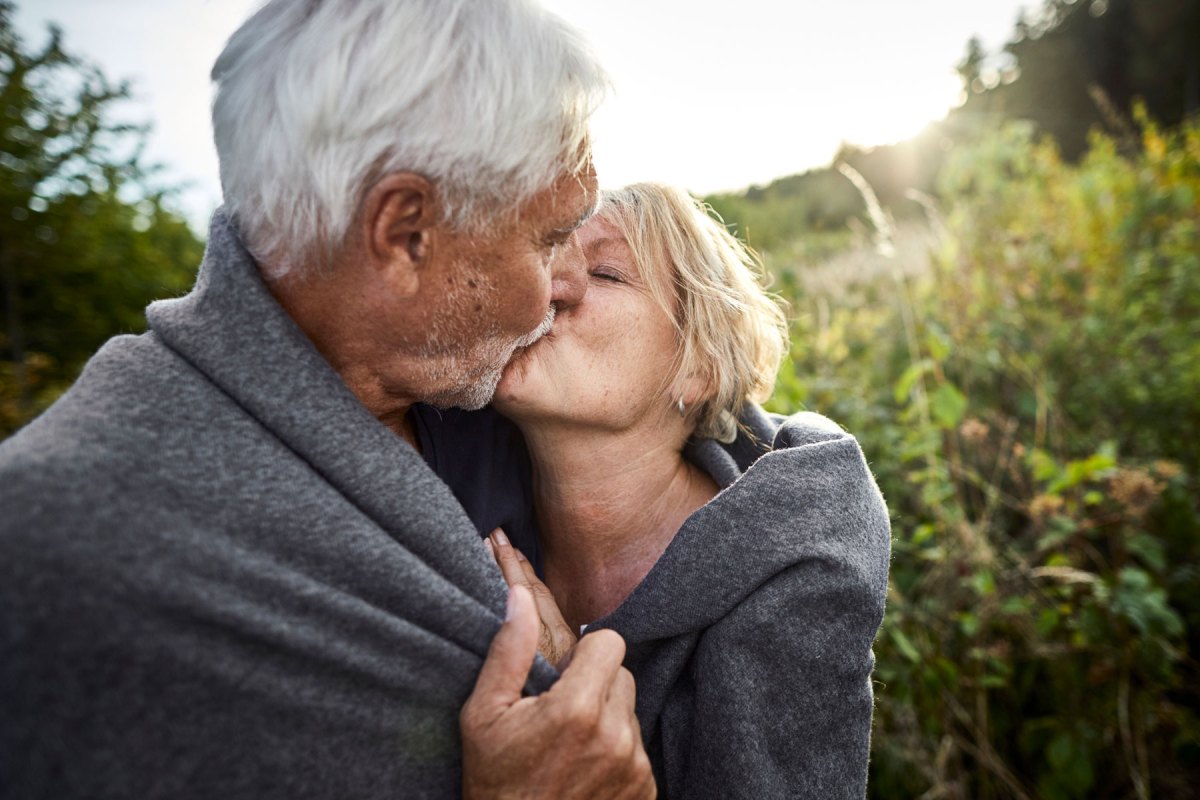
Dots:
pixel 385 406
pixel 331 329
pixel 607 507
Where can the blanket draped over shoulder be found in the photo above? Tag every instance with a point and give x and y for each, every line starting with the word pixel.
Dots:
pixel 751 637
pixel 220 576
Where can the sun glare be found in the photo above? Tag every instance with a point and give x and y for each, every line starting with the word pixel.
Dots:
pixel 896 113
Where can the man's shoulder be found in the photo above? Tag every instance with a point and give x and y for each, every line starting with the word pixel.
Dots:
pixel 82 469
pixel 113 404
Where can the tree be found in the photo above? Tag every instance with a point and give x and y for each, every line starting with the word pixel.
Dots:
pixel 86 237
pixel 970 69
pixel 1083 66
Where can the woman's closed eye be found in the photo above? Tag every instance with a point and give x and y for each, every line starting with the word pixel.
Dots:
pixel 608 274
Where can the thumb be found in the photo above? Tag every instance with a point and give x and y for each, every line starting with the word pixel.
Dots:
pixel 506 668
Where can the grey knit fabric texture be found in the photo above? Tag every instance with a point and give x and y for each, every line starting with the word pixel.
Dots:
pixel 751 637
pixel 221 577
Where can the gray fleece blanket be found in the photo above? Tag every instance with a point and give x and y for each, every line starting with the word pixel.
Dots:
pixel 221 577
pixel 751 637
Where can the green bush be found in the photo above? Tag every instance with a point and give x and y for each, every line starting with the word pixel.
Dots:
pixel 1031 408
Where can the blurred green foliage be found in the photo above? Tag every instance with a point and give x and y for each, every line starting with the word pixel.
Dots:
pixel 86 240
pixel 1025 381
pixel 1030 405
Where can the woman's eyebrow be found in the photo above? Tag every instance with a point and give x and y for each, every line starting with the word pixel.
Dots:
pixel 605 243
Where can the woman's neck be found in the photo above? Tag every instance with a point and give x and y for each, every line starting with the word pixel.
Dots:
pixel 607 507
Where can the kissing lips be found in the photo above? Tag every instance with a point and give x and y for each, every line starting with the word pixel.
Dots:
pixel 540 331
pixel 527 341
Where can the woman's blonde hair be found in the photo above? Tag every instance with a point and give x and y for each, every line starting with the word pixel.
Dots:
pixel 732 333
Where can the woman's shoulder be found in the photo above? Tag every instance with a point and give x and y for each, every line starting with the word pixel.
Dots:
pixel 810 494
pixel 761 433
pixel 783 430
pixel 812 451
pixel 819 462
pixel 805 427
pixel 812 518
pixel 805 500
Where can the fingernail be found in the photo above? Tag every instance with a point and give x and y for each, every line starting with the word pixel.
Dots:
pixel 490 548
pixel 501 539
pixel 520 555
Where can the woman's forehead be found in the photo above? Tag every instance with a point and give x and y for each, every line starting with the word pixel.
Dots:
pixel 602 235
pixel 608 244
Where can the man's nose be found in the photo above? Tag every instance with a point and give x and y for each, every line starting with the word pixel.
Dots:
pixel 568 276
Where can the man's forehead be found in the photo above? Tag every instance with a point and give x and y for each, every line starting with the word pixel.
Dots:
pixel 570 202
pixel 576 221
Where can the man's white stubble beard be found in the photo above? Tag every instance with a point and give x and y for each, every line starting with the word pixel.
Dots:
pixel 537 333
pixel 476 395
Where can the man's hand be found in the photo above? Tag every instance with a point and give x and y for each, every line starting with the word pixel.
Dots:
pixel 580 739
pixel 555 636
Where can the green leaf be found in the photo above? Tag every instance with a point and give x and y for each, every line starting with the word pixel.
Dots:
pixel 1043 464
pixel 983 583
pixel 1061 751
pixel 1149 550
pixel 1145 605
pixel 1015 606
pixel 1047 621
pixel 909 377
pixel 939 346
pixel 1060 529
pixel 904 645
pixel 923 533
pixel 948 406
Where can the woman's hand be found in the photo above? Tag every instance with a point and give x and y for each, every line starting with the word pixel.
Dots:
pixel 556 638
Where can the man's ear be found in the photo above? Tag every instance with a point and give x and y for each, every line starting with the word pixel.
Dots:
pixel 398 218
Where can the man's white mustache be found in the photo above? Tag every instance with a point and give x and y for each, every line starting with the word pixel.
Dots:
pixel 538 332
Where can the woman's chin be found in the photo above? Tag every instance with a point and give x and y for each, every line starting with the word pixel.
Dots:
pixel 512 380
pixel 522 386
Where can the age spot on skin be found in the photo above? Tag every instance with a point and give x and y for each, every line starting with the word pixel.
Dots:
pixel 478 308
pixel 471 283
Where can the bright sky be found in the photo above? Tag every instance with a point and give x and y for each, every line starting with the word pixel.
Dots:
pixel 708 95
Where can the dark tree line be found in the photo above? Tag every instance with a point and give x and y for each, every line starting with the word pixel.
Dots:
pixel 1076 66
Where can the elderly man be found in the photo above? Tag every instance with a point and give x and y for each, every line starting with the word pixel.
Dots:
pixel 225 570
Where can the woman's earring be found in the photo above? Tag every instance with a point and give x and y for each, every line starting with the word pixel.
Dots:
pixel 680 407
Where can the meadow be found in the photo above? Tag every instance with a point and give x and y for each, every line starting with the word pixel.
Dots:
pixel 1022 369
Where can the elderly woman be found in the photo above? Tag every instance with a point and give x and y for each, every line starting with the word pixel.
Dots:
pixel 742 557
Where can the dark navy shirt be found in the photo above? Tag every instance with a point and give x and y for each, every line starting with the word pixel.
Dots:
pixel 482 457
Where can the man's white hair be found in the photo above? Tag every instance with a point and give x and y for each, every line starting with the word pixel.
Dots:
pixel 317 99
